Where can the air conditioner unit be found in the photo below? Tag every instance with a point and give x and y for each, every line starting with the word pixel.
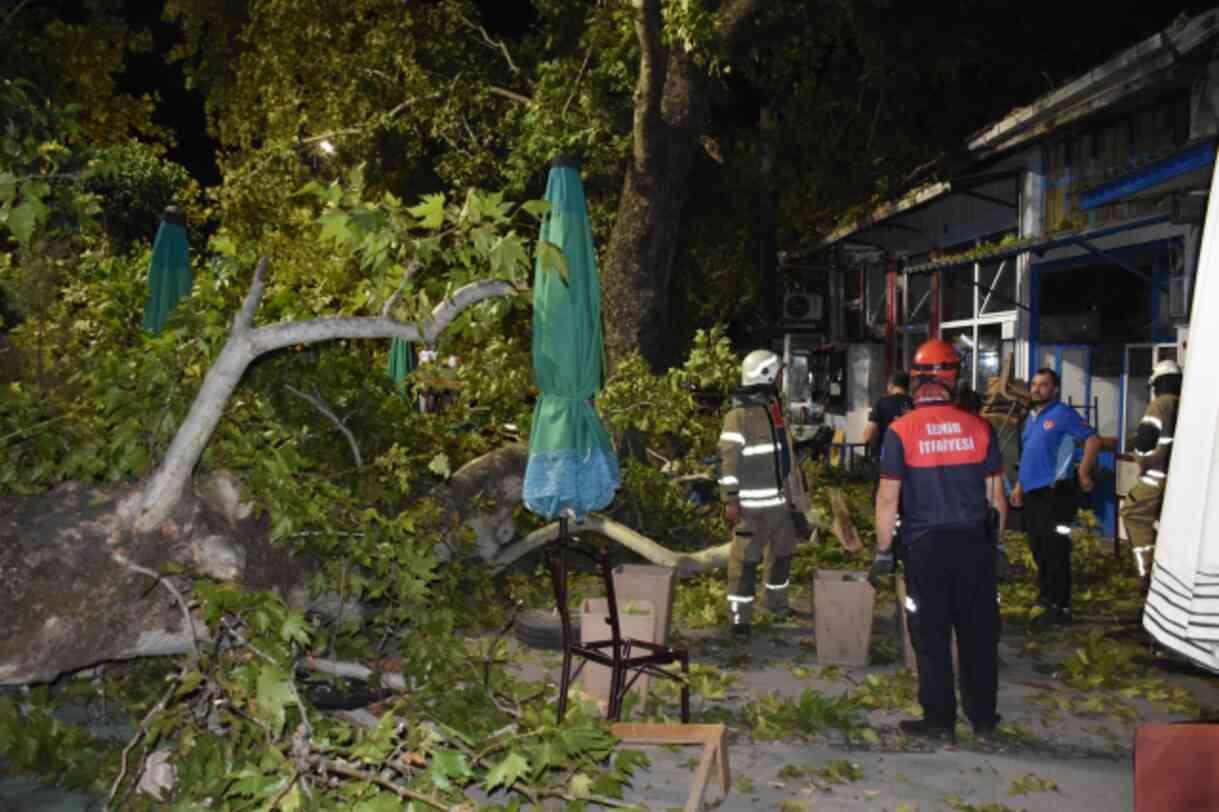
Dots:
pixel 802 307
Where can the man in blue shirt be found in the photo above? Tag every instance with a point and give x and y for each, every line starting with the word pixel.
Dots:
pixel 1047 489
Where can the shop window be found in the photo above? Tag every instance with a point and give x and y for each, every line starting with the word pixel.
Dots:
pixel 957 294
pixel 997 290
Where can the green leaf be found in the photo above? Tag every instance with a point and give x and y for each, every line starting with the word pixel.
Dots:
pixel 449 764
pixel 430 212
pixel 506 772
pixel 509 254
pixel 275 691
pixel 440 465
pixel 537 208
pixel 25 218
pixel 189 683
pixel 553 260
pixel 335 225
pixel 580 785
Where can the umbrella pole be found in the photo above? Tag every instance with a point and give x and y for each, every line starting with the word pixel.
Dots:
pixel 558 572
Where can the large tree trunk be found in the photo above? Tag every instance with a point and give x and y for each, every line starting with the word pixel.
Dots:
pixel 671 102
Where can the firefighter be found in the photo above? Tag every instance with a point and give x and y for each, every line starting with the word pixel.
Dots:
pixel 1152 447
pixel 763 491
pixel 942 464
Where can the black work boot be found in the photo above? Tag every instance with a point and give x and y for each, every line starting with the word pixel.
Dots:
pixel 988 730
pixel 922 729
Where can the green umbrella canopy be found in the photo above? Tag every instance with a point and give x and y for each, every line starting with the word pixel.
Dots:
pixel 401 360
pixel 571 460
pixel 169 278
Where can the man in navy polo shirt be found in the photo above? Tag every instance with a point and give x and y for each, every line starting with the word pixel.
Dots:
pixel 942 465
pixel 1047 489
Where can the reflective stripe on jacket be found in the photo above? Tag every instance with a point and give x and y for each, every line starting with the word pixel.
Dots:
pixel 1153 443
pixel 751 452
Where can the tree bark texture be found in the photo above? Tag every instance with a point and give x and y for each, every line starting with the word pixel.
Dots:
pixel 671 103
pixel 70 601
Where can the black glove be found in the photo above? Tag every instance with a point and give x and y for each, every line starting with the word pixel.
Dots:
pixel 884 564
pixel 803 528
pixel 1003 567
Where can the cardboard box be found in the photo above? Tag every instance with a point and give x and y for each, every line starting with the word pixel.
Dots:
pixel 842 616
pixel 636 620
pixel 647 582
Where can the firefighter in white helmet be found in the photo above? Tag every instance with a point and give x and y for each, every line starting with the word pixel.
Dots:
pixel 763 491
pixel 1152 449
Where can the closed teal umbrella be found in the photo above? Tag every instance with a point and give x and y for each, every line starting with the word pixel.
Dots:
pixel 572 465
pixel 169 278
pixel 401 360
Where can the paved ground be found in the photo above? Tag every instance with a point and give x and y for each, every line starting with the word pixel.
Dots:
pixel 1062 749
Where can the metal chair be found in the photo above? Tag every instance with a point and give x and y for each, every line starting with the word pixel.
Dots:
pixel 627 658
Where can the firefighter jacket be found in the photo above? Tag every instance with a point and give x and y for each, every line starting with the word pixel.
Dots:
pixel 757 458
pixel 1153 441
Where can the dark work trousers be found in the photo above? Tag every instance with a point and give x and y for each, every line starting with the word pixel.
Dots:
pixel 950 581
pixel 1048 514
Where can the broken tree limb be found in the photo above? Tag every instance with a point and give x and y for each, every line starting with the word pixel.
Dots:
pixel 315 400
pixel 685 563
pixel 348 670
pixel 245 343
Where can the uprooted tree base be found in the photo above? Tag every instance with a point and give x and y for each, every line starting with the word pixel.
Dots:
pixel 74 595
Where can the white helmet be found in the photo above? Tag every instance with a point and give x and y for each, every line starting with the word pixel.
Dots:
pixel 1166 367
pixel 760 366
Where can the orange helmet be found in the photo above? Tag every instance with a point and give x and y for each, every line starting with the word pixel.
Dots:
pixel 934 372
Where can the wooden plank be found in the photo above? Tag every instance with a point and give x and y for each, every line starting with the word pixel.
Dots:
pixel 843 528
pixel 713 738
pixel 699 786
pixel 661 733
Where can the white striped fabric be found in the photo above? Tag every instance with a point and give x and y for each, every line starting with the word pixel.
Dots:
pixel 1180 610
pixel 1150 480
pixel 1152 421
pixel 732 437
pixel 729 480
pixel 1164 441
pixel 783 585
pixel 764 448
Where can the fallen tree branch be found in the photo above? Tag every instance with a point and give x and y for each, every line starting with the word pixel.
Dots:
pixel 326 765
pixel 685 563
pixel 189 619
pixel 316 401
pixel 349 670
pixel 140 733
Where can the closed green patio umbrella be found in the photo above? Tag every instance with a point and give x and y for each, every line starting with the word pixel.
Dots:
pixel 169 277
pixel 572 466
pixel 401 360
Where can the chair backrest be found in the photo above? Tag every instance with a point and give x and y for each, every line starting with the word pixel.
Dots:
pixel 556 559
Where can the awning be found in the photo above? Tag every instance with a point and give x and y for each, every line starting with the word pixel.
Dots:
pixel 920 197
pixel 1039 246
pixel 1187 168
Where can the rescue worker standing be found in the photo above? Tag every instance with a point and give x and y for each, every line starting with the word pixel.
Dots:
pixel 1047 490
pixel 762 488
pixel 943 466
pixel 1152 448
